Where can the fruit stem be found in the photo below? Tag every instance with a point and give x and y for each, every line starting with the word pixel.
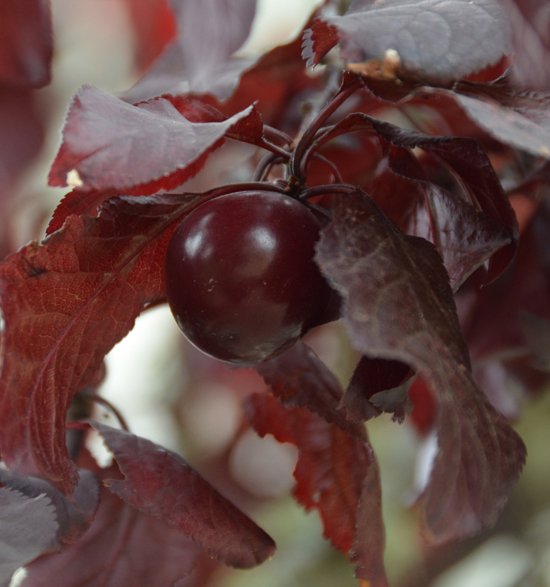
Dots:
pixel 98 399
pixel 298 162
pixel 275 149
pixel 274 134
pixel 265 165
pixel 233 188
pixel 331 188
pixel 265 141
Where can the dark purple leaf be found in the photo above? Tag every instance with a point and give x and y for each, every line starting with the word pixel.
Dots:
pixel 336 474
pixel 437 40
pixel 65 304
pixel 371 389
pixel 515 118
pixel 37 519
pixel 25 43
pixel 123 547
pixel 160 483
pixel 199 60
pixel 111 145
pixel 464 236
pixel 73 513
pixel 472 167
pixel 398 305
pixel 29 528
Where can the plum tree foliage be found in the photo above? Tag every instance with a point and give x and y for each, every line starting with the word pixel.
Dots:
pixel 397 181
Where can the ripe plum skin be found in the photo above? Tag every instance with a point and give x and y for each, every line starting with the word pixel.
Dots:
pixel 240 276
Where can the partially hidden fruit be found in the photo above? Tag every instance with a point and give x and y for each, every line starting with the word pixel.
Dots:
pixel 240 276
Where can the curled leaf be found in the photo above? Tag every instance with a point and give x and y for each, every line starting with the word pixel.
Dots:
pixel 111 145
pixel 336 474
pixel 161 484
pixel 398 305
pixel 65 303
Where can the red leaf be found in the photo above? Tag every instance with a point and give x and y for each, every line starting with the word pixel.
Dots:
pixel 109 144
pixel 123 547
pixel 318 41
pixel 298 378
pixel 428 36
pixel 160 483
pixel 78 202
pixel 398 305
pixel 337 474
pixel 65 304
pixel 25 43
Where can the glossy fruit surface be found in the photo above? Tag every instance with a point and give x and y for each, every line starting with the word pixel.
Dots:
pixel 240 276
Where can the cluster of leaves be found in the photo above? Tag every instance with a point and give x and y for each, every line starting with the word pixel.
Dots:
pixel 428 147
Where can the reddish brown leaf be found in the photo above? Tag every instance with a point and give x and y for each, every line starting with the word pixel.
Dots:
pixel 318 41
pixel 65 304
pixel 336 474
pixel 161 484
pixel 111 145
pixel 25 43
pixel 298 378
pixel 77 203
pixel 398 305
